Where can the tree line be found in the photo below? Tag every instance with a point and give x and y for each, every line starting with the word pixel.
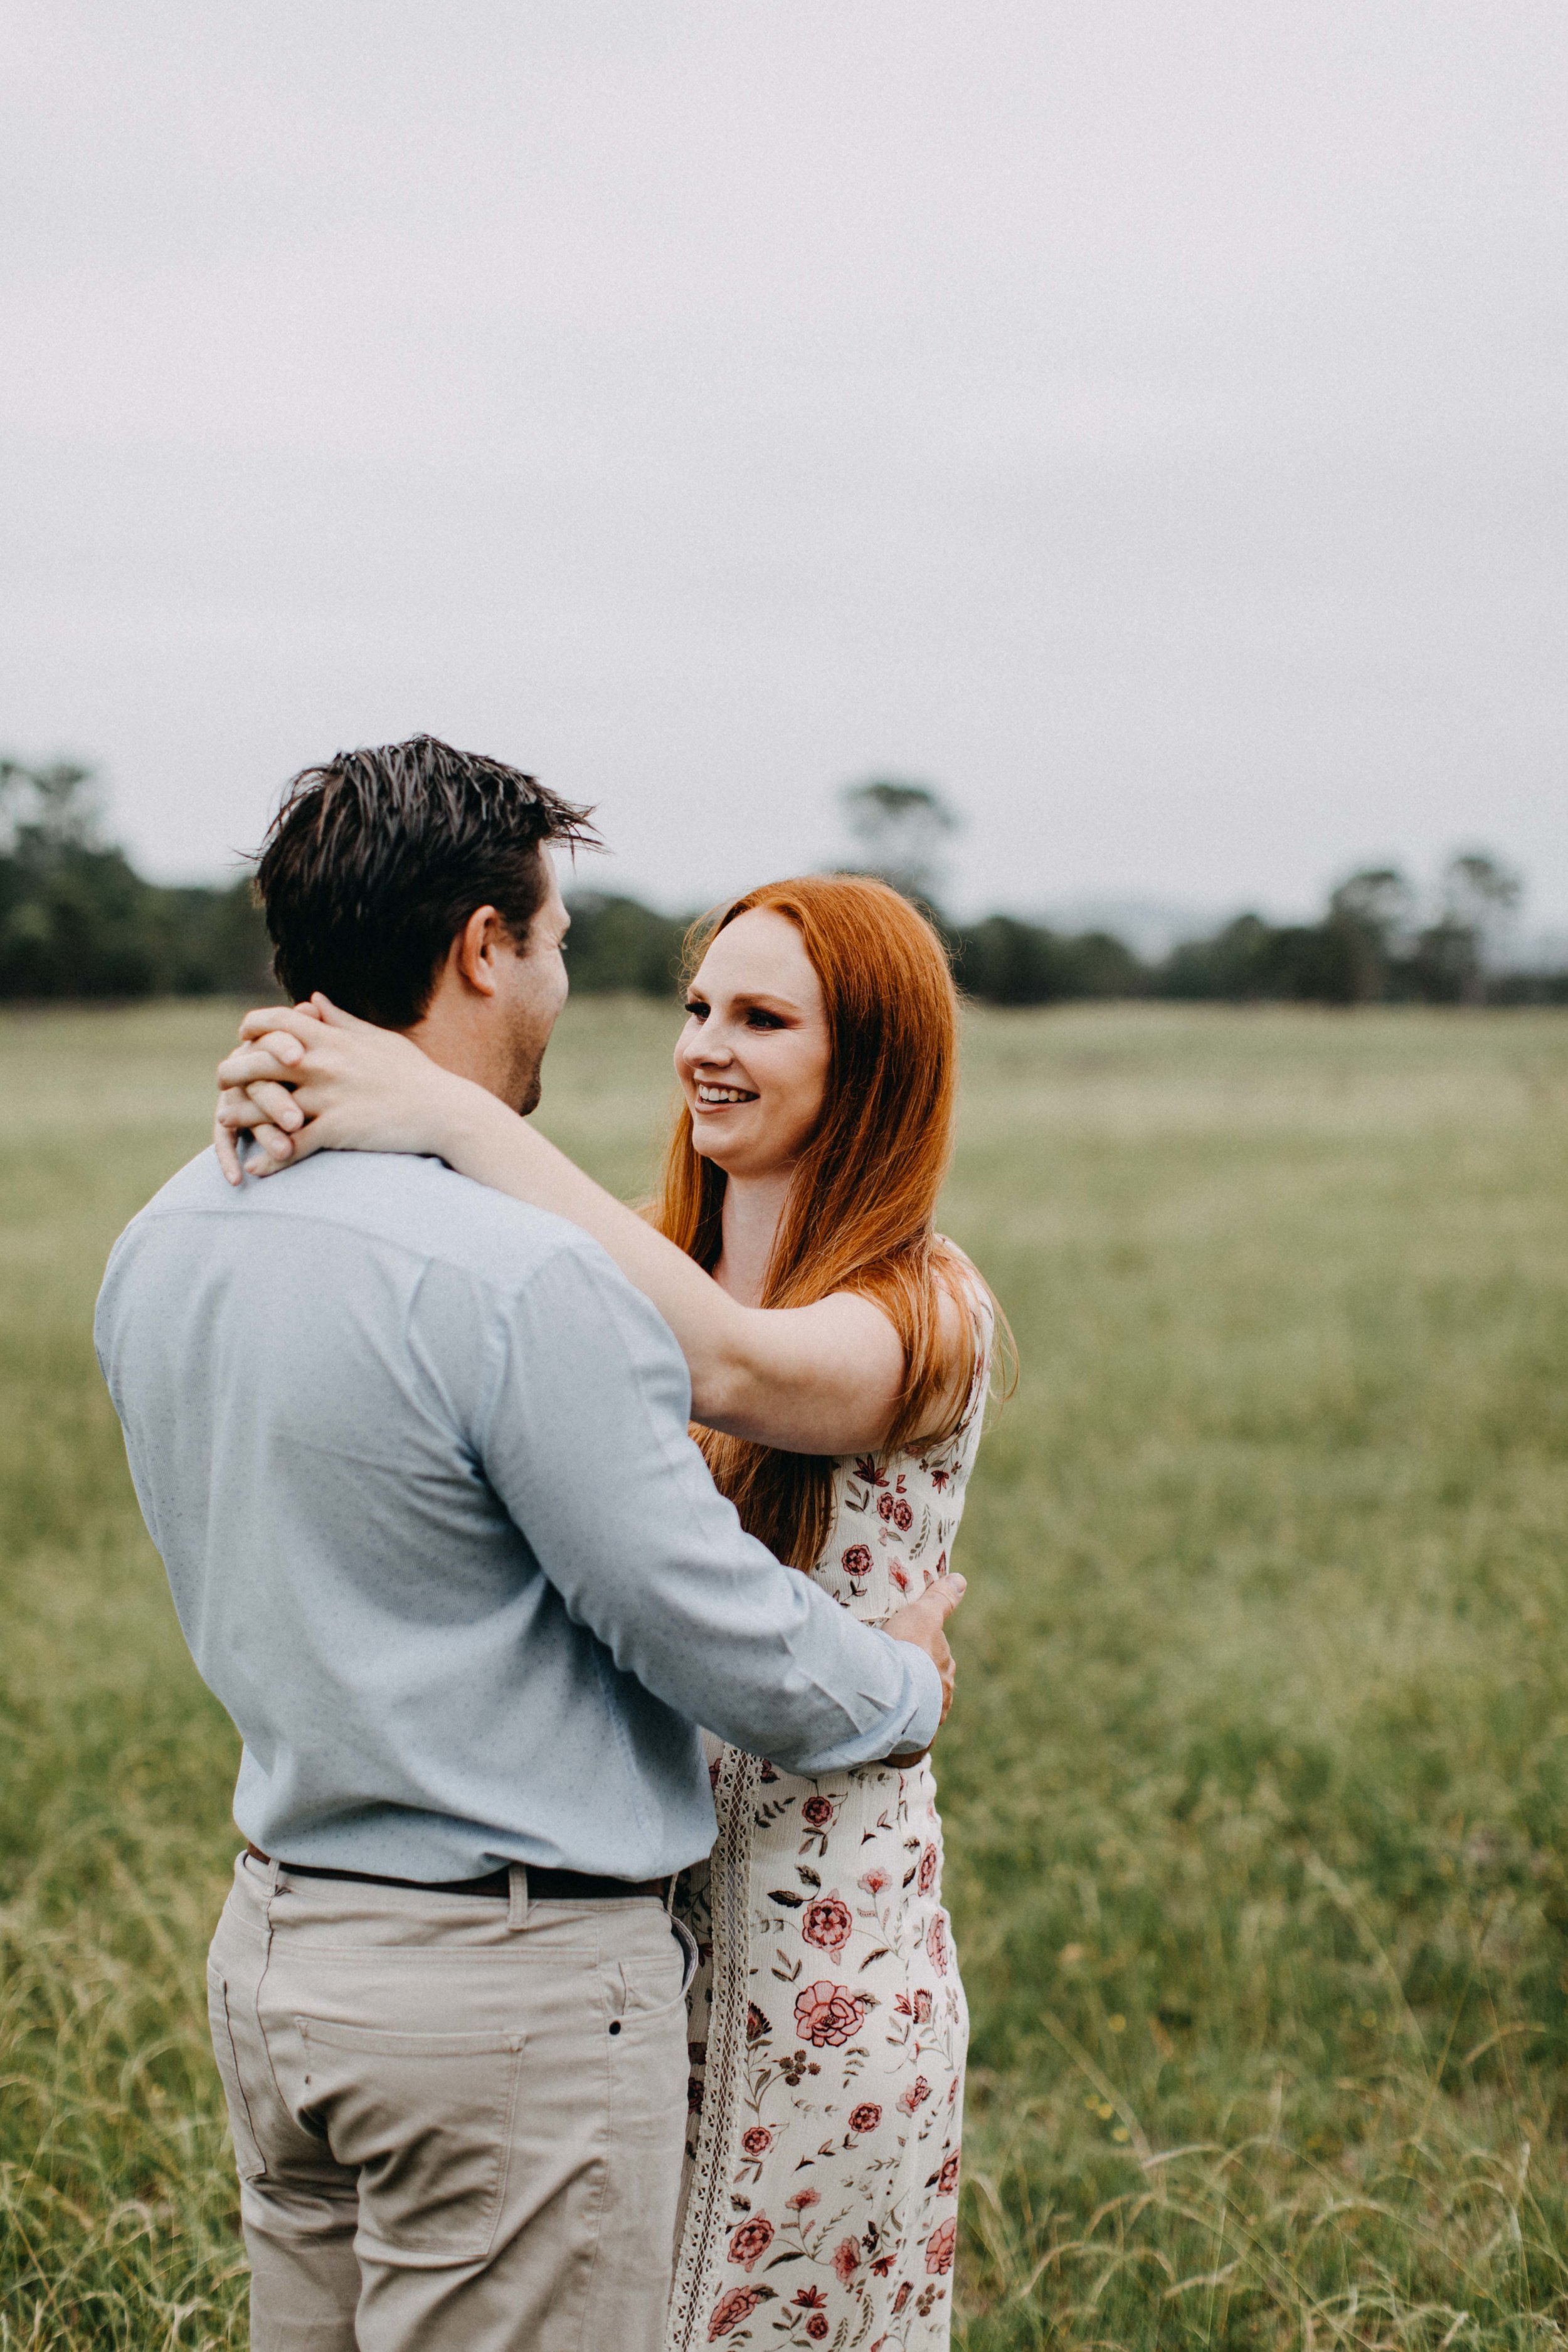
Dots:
pixel 76 920
pixel 1354 955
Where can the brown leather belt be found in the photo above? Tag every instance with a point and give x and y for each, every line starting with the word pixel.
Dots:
pixel 543 1886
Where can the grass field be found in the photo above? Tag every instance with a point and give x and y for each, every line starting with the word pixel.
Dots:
pixel 1257 1788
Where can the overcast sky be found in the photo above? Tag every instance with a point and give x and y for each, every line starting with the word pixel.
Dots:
pixel 1144 420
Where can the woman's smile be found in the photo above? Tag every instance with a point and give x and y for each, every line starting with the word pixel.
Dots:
pixel 755 1010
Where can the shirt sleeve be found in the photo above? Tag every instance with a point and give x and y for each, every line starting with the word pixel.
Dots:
pixel 584 1436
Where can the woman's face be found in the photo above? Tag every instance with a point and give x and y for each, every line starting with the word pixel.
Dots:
pixel 753 1057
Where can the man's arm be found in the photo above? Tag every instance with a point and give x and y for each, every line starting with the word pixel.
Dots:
pixel 583 1437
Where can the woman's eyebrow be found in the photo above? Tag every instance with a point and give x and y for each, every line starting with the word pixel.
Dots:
pixel 765 1001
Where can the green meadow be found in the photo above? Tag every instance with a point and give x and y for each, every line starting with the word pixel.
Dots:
pixel 1256 1785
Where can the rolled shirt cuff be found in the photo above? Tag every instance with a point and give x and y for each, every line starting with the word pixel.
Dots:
pixel 925 1721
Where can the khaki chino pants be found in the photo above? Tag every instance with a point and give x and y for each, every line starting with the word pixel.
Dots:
pixel 458 2120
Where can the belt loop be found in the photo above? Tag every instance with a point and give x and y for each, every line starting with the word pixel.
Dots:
pixel 267 1866
pixel 270 1870
pixel 516 1897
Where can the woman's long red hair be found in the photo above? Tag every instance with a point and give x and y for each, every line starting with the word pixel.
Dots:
pixel 861 1213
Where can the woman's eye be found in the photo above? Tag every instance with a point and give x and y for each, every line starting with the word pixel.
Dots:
pixel 697 1011
pixel 758 1020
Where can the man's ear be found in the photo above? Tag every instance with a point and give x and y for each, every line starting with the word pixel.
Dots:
pixel 476 950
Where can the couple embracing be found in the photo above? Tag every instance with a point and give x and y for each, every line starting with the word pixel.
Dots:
pixel 521 2051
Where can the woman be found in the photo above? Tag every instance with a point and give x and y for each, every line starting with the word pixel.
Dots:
pixel 839 1352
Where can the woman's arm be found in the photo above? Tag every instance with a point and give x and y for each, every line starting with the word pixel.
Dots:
pixel 825 1378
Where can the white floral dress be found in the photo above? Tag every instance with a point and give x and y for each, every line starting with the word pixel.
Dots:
pixel 828 2023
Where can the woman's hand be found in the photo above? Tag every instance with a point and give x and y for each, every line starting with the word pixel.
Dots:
pixel 310 1077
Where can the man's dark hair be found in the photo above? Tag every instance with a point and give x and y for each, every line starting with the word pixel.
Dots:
pixel 377 858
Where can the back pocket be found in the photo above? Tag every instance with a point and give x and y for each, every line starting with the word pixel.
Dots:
pixel 426 2121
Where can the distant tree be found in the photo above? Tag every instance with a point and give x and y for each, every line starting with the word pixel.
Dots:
pixel 1480 900
pixel 617 943
pixel 75 919
pixel 1368 914
pixel 56 803
pixel 1004 960
pixel 1249 959
pixel 1252 961
pixel 901 828
pixel 1479 889
pixel 78 921
pixel 1546 986
pixel 1367 950
pixel 1099 964
pixel 1450 960
pixel 1443 966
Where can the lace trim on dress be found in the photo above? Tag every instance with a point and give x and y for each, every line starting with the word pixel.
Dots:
pixel 703 2229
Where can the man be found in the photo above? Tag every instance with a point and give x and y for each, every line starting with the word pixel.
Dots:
pixel 416 1460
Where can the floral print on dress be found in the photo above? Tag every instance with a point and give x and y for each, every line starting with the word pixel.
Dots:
pixel 827 2020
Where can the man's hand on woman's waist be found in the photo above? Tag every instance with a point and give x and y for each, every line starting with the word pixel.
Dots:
pixel 920 1622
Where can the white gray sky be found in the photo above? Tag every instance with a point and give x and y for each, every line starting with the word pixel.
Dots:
pixel 1143 419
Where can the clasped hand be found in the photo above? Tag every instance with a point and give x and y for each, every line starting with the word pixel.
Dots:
pixel 311 1077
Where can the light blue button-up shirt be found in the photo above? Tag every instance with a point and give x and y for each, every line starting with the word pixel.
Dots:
pixel 416 1460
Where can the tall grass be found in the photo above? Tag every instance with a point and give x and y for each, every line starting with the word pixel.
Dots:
pixel 1261 1855
pixel 1256 1788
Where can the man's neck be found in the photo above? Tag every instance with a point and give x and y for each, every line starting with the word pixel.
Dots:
pixel 465 1047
